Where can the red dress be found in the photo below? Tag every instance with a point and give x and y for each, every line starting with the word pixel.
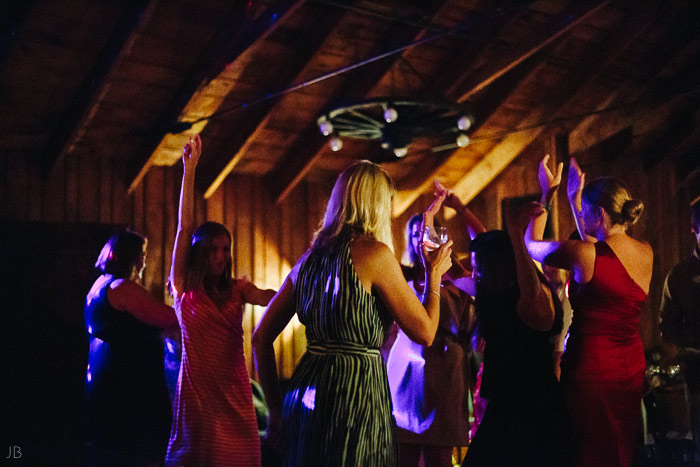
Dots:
pixel 214 421
pixel 603 366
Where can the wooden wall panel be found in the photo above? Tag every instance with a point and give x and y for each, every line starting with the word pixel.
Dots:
pixel 268 239
pixel 88 188
pixel 33 190
pixel 153 186
pixel 104 182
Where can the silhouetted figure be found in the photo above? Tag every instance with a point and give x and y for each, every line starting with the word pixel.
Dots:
pixel 127 398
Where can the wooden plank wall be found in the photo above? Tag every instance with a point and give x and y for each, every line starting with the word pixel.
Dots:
pixel 268 239
pixel 85 188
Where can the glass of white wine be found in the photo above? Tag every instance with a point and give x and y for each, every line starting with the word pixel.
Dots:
pixel 433 237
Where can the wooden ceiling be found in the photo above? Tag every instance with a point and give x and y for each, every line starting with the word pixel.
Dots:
pixel 130 79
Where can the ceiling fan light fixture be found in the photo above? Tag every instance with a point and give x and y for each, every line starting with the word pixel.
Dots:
pixel 335 143
pixel 325 126
pixel 465 122
pixel 400 152
pixel 462 140
pixel 390 115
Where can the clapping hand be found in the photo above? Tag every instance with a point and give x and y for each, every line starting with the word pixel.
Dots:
pixel 451 199
pixel 433 209
pixel 574 183
pixel 191 151
pixel 549 181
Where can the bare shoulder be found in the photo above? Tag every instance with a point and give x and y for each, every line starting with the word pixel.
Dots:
pixel 646 254
pixel 366 249
pixel 371 258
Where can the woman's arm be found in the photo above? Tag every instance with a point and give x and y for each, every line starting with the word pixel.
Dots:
pixel 255 296
pixel 131 297
pixel 535 307
pixel 571 255
pixel 279 312
pixel 472 223
pixel 574 188
pixel 378 270
pixel 185 226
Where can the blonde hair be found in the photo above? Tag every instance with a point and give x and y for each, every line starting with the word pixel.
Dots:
pixel 360 204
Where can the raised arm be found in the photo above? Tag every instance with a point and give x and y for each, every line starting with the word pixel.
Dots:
pixel 535 307
pixel 574 187
pixel 378 270
pixel 185 226
pixel 571 255
pixel 472 223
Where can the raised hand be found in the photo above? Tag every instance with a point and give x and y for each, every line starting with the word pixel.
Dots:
pixel 191 151
pixel 575 181
pixel 549 181
pixel 433 209
pixel 451 199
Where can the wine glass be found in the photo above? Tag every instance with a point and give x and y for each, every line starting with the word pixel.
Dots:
pixel 433 237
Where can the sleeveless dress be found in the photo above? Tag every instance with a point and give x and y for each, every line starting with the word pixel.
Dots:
pixel 603 366
pixel 338 408
pixel 430 385
pixel 127 400
pixel 215 422
pixel 524 423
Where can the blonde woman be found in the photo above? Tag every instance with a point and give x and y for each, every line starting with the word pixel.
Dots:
pixel 346 289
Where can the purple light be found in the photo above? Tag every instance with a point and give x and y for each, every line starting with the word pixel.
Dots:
pixel 309 398
pixel 171 347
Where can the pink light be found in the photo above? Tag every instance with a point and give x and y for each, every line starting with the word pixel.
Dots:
pixel 309 398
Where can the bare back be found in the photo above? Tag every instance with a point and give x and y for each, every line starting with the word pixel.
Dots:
pixel 637 258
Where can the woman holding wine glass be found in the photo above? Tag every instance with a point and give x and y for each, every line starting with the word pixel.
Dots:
pixel 430 384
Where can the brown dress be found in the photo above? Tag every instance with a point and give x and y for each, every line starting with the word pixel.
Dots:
pixel 430 385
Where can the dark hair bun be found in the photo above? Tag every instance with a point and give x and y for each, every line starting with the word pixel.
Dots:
pixel 631 210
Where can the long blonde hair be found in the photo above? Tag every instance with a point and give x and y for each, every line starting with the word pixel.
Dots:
pixel 360 204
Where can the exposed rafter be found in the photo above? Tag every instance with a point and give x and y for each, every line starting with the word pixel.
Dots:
pixel 70 126
pixel 487 170
pixel 241 30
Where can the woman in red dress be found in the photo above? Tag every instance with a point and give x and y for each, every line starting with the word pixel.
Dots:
pixel 603 366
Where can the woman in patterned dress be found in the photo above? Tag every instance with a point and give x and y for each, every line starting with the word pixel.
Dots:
pixel 346 289
pixel 214 423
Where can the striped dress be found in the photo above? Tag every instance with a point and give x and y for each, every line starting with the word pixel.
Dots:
pixel 214 421
pixel 338 408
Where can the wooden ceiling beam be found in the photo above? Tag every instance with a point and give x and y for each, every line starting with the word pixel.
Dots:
pixel 257 118
pixel 308 149
pixel 242 29
pixel 76 116
pixel 667 69
pixel 485 171
pixel 486 167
